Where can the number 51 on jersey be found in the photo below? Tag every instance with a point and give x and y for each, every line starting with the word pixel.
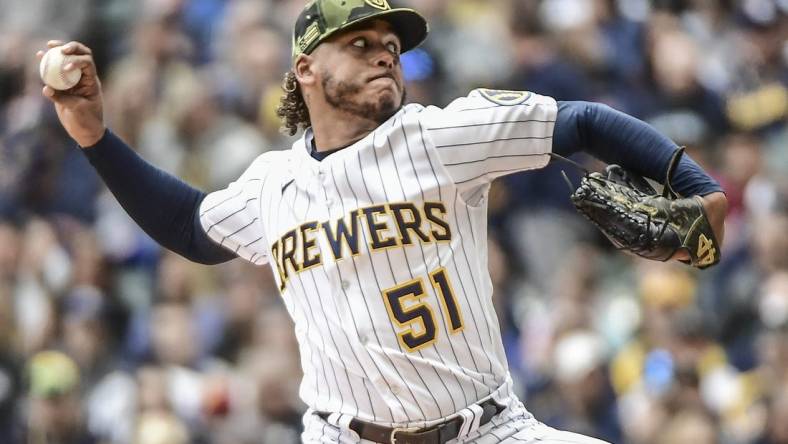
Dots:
pixel 406 307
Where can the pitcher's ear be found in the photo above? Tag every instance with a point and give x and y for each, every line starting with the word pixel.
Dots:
pixel 303 68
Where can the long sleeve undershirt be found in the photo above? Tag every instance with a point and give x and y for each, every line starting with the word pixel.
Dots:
pixel 615 137
pixel 167 208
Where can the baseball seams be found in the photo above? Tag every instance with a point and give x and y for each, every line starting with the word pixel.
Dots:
pixel 53 72
pixel 62 71
pixel 379 252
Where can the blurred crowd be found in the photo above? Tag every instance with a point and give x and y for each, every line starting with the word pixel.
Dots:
pixel 107 338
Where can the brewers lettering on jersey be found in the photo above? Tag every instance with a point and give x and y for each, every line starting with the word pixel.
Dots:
pixel 375 224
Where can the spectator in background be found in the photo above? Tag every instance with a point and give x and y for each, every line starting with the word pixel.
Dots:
pixel 581 377
pixel 156 422
pixel 776 430
pixel 252 54
pixel 55 415
pixel 160 428
pixel 689 425
pixel 248 293
pixel 676 100
pixel 10 379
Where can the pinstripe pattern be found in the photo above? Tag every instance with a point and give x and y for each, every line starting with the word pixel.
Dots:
pixel 437 162
pixel 475 325
pixel 339 354
pixel 343 386
pixel 502 122
pixel 311 322
pixel 404 196
pixel 489 142
pixel 228 219
pixel 390 267
pixel 379 345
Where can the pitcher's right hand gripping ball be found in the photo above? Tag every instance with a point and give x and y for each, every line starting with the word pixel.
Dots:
pixel 637 219
pixel 52 69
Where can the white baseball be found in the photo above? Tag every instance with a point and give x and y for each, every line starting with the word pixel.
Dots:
pixel 52 72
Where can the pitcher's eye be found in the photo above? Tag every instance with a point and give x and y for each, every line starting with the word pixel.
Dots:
pixel 359 43
pixel 393 48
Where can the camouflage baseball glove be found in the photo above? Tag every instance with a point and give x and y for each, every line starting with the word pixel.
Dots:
pixel 637 219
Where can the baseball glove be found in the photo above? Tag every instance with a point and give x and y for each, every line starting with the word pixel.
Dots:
pixel 627 209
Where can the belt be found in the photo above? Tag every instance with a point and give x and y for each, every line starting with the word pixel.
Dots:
pixel 438 434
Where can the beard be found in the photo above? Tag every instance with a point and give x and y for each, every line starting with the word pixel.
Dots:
pixel 342 96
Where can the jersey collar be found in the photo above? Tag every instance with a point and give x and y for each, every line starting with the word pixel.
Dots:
pixel 303 146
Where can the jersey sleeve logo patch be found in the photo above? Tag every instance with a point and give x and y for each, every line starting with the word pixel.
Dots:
pixel 504 97
pixel 379 4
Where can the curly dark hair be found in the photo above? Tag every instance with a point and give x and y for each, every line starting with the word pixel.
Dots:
pixel 292 107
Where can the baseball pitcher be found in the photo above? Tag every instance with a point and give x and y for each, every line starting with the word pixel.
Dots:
pixel 374 223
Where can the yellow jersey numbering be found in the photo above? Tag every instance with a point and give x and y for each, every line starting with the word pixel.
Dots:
pixel 416 318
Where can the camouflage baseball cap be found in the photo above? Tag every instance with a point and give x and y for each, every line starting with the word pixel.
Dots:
pixel 322 18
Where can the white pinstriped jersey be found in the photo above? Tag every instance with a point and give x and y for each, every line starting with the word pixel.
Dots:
pixel 380 251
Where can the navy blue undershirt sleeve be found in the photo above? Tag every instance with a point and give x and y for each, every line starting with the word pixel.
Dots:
pixel 615 137
pixel 166 208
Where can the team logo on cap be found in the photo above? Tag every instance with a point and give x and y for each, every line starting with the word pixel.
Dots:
pixel 504 97
pixel 380 4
